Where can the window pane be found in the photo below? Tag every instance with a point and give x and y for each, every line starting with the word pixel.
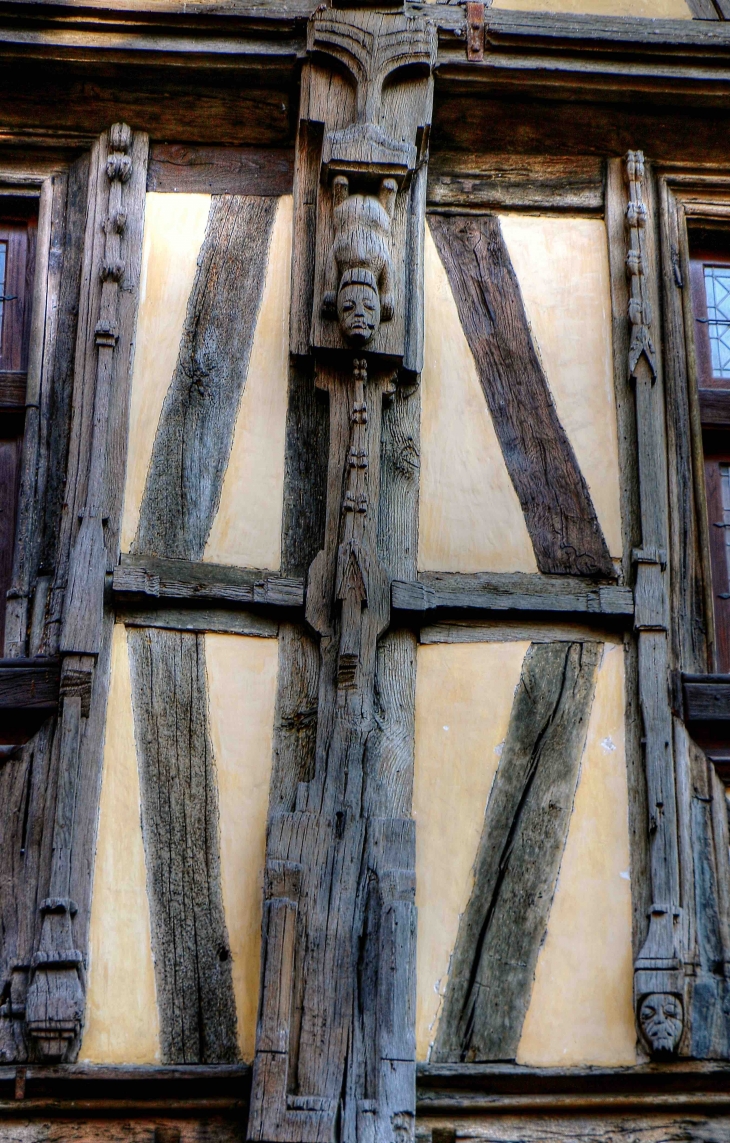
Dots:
pixel 717 286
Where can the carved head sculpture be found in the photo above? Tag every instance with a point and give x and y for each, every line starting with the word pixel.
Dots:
pixel 358 306
pixel 660 1017
pixel 359 285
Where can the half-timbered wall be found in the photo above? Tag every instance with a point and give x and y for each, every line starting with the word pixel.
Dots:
pixel 367 777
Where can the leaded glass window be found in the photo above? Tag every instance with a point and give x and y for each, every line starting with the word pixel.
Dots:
pixel 717 288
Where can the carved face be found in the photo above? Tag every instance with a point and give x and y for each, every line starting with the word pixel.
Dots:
pixel 661 1021
pixel 358 311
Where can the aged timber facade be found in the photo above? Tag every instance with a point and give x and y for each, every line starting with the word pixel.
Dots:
pixel 364 529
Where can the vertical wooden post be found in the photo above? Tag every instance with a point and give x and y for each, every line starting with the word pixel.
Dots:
pixel 336 1032
pixel 658 968
pixel 112 258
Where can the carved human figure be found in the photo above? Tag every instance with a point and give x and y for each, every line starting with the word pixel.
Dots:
pixel 661 1021
pixel 359 273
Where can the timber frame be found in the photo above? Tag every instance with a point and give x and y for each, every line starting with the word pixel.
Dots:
pixel 501 138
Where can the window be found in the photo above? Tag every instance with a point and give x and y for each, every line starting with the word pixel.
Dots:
pixel 710 269
pixel 18 226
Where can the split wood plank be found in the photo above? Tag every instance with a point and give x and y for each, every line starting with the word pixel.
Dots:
pixel 479 182
pixel 220 170
pixel 201 619
pixel 151 577
pixel 509 591
pixel 180 826
pixel 195 434
pixel 559 514
pixel 521 847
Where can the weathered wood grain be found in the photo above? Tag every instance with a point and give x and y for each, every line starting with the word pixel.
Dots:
pixel 156 1127
pixel 706 698
pixel 201 619
pixel 180 830
pixel 57 383
pixel 613 1127
pixel 177 769
pixel 302 536
pixel 27 781
pixel 559 513
pixel 509 591
pixel 220 170
pixel 479 182
pixel 516 868
pixel 691 627
pixel 515 630
pixel 631 539
pixel 150 577
pixel 28 683
pixel 195 433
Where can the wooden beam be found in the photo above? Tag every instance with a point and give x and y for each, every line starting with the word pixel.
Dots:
pixel 521 847
pixel 27 684
pixel 180 824
pixel 715 407
pixel 171 581
pixel 706 698
pixel 195 433
pixel 480 182
pixel 510 591
pixel 201 619
pixel 220 170
pixel 559 513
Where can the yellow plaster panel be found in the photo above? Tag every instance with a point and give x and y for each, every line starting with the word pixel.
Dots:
pixel 247 527
pixel 470 517
pixel 242 692
pixel 649 9
pixel 562 267
pixel 122 1025
pixel 174 228
pixel 464 695
pixel 581 1008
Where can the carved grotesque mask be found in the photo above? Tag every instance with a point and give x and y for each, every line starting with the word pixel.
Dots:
pixel 661 1021
pixel 358 311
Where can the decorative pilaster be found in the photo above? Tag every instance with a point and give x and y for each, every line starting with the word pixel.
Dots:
pixel 336 1032
pixel 56 984
pixel 658 970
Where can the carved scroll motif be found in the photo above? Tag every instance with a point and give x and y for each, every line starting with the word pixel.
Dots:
pixel 335 1050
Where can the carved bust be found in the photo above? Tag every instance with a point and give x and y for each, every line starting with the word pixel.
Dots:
pixel 359 276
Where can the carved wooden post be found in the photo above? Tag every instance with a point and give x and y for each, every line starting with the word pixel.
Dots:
pixel 112 255
pixel 335 1052
pixel 658 971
